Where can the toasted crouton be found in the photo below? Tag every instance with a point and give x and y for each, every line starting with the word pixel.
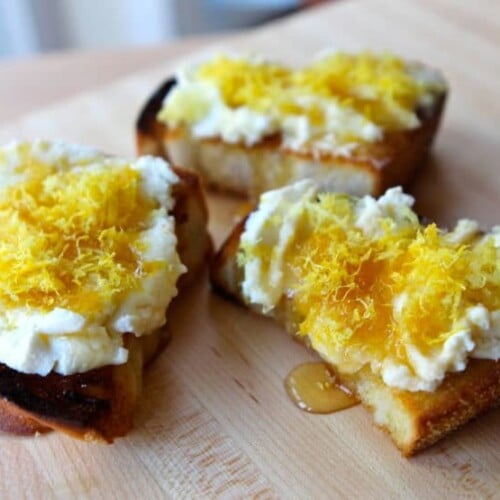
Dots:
pixel 414 420
pixel 98 405
pixel 248 170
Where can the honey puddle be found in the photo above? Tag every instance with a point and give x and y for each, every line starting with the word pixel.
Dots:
pixel 313 388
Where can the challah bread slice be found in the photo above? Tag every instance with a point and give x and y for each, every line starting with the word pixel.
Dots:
pixel 98 405
pixel 249 169
pixel 414 420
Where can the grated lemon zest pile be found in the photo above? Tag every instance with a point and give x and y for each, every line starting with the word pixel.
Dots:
pixel 378 86
pixel 345 283
pixel 69 238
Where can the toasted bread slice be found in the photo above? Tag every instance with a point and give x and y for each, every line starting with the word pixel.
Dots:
pixel 249 171
pixel 414 420
pixel 99 405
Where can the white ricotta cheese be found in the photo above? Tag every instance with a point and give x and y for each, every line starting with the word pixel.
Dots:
pixel 394 205
pixel 61 340
pixel 464 231
pixel 276 222
pixel 430 79
pixel 199 105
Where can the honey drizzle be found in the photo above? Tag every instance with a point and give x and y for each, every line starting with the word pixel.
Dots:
pixel 313 388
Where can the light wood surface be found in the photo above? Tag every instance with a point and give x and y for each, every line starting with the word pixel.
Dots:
pixel 32 83
pixel 214 420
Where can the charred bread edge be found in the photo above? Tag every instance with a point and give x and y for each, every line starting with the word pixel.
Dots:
pixel 150 131
pixel 473 391
pixel 31 404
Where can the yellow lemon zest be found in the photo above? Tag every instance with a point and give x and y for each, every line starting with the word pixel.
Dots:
pixel 379 87
pixel 410 285
pixel 69 238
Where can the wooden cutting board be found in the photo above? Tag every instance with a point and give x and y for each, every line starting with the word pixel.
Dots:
pixel 214 419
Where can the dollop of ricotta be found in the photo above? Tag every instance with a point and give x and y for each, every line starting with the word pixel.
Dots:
pixel 70 319
pixel 331 105
pixel 274 225
pixel 379 242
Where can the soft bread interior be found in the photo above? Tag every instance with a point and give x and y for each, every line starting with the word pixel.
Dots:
pixel 250 171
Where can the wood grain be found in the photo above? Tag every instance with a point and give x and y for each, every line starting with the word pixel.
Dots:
pixel 214 420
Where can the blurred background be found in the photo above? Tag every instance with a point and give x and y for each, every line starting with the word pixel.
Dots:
pixel 34 26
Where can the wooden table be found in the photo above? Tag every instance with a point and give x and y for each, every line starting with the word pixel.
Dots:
pixel 33 83
pixel 214 420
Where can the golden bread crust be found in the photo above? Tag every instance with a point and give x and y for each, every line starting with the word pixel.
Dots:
pixel 414 420
pixel 99 405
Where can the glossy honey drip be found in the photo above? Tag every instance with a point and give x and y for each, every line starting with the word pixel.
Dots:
pixel 313 388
